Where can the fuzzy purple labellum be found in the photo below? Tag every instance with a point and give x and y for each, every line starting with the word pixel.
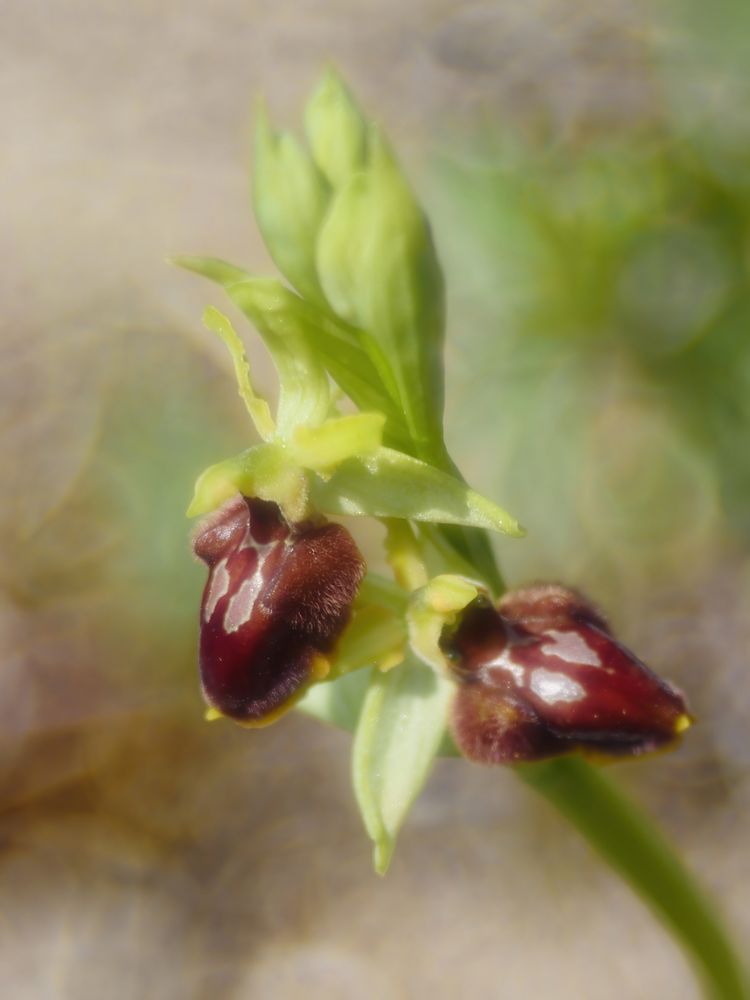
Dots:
pixel 277 597
pixel 542 675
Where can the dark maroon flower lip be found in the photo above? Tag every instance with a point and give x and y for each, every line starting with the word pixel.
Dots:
pixel 278 596
pixel 542 675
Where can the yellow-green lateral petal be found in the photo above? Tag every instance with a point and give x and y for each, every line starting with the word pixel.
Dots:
pixel 257 407
pixel 322 448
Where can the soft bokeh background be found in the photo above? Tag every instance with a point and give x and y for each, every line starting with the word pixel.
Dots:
pixel 586 168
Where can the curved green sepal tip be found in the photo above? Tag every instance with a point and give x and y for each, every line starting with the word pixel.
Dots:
pixel 257 407
pixel 392 484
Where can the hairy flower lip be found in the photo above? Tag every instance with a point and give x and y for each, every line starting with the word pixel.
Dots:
pixel 542 675
pixel 277 597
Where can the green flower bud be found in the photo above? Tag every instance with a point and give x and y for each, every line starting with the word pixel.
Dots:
pixel 290 197
pixel 336 130
pixel 378 269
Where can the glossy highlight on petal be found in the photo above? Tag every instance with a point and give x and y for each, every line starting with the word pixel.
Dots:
pixel 277 597
pixel 542 675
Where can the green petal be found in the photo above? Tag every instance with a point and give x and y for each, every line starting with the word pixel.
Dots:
pixel 400 729
pixel 263 471
pixel 432 608
pixel 322 448
pixel 290 197
pixel 256 406
pixel 336 130
pixel 391 484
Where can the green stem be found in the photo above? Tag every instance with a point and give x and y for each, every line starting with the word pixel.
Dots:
pixel 627 839
pixel 632 844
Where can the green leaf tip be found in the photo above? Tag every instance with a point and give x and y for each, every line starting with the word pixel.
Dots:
pixel 280 318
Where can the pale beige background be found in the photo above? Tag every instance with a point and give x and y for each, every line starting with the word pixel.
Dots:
pixel 145 854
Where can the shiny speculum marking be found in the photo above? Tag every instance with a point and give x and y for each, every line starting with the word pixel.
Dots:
pixel 277 597
pixel 542 675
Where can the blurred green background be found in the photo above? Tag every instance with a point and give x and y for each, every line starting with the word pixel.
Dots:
pixel 587 171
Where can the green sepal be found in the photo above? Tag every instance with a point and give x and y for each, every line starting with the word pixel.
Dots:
pixel 346 353
pixel 290 197
pixel 401 726
pixel 257 407
pixel 392 484
pixel 323 448
pixel 263 471
pixel 336 130
pixel 378 269
pixel 304 392
pixel 213 268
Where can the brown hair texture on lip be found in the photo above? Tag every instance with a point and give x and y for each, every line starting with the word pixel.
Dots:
pixel 277 597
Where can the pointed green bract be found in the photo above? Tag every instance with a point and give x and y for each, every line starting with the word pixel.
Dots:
pixel 391 484
pixel 400 729
pixel 378 269
pixel 336 130
pixel 290 197
pixel 256 406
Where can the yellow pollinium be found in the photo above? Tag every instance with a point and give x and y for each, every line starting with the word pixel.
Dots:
pixel 682 722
